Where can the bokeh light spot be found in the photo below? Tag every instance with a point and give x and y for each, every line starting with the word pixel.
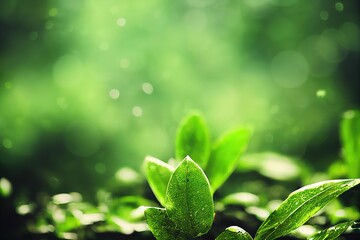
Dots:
pixel 5 187
pixel 7 143
pixel 24 209
pixel 137 111
pixel 124 63
pixel 324 15
pixel 49 25
pixel 114 93
pixel 289 69
pixel 339 6
pixel 53 12
pixel 126 174
pixel 100 168
pixel 8 85
pixel 349 114
pixel 121 22
pixel 321 93
pixel 147 88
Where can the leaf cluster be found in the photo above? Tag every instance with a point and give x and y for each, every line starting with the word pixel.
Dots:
pixel 186 190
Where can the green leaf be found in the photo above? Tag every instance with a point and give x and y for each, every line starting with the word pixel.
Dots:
pixel 225 156
pixel 189 200
pixel 234 233
pixel 158 175
pixel 300 206
pixel 192 139
pixel 333 232
pixel 161 225
pixel 350 136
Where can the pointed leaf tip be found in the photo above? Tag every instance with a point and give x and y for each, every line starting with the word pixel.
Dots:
pixel 300 206
pixel 193 139
pixel 158 174
pixel 226 154
pixel 189 200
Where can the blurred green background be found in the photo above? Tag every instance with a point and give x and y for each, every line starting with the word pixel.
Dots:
pixel 88 87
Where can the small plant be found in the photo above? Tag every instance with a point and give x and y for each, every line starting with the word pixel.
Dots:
pixel 186 187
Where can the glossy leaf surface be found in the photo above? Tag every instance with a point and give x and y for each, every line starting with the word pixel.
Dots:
pixel 161 226
pixel 189 200
pixel 158 175
pixel 225 156
pixel 193 140
pixel 234 233
pixel 300 206
pixel 333 232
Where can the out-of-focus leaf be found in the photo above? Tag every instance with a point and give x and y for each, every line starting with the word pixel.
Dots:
pixel 192 139
pixel 162 226
pixel 273 165
pixel 350 136
pixel 225 156
pixel 158 175
pixel 234 233
pixel 337 212
pixel 189 201
pixel 117 224
pixel 241 198
pixel 300 206
pixel 129 208
pixel 5 187
pixel 333 232
pixel 64 198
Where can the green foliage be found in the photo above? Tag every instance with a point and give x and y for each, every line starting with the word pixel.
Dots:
pixel 332 232
pixel 300 206
pixel 158 175
pixel 225 156
pixel 186 194
pixel 188 199
pixel 193 140
pixel 234 233
pixel 189 207
pixel 161 225
pixel 350 136
pixel 188 204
